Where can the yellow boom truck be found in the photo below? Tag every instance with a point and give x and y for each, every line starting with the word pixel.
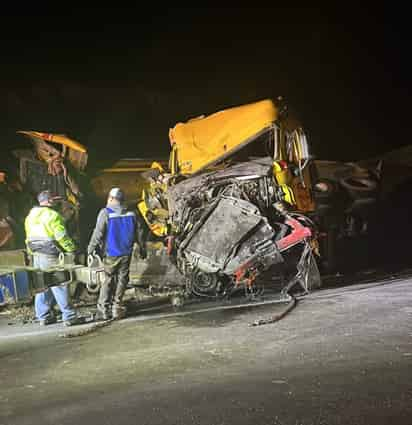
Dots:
pixel 231 207
pixel 214 142
pixel 253 153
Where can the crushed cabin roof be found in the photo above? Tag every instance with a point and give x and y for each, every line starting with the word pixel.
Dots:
pixel 203 141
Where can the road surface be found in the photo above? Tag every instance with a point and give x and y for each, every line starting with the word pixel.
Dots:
pixel 342 356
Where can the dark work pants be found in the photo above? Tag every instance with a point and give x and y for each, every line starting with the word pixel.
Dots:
pixel 117 277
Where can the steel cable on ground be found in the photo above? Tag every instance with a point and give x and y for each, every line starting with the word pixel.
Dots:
pixel 292 303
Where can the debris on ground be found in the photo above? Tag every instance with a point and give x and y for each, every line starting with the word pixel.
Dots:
pixel 19 315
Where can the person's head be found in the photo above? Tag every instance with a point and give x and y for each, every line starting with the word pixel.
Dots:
pixel 116 196
pixel 47 198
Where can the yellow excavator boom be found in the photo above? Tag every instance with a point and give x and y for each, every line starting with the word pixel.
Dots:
pixel 201 142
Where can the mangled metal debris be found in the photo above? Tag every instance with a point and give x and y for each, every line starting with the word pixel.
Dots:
pixel 241 203
pixel 228 228
pixel 54 162
pixel 231 223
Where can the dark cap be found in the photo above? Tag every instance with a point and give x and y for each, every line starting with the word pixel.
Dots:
pixel 117 193
pixel 48 196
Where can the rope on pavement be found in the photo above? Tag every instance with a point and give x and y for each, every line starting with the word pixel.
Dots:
pixel 81 332
pixel 275 318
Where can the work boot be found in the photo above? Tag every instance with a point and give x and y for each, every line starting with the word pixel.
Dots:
pixel 73 322
pixel 102 315
pixel 118 312
pixel 48 321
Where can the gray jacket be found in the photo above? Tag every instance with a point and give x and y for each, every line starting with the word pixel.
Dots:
pixel 98 240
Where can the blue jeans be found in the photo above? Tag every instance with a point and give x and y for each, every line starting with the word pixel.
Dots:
pixel 44 301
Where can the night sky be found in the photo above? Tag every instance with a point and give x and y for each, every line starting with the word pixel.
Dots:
pixel 118 79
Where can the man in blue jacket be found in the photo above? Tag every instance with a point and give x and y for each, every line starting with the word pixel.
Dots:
pixel 113 237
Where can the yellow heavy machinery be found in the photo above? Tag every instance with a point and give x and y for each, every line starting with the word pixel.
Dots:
pixel 54 162
pixel 336 196
pixel 220 205
pixel 240 196
pixel 213 142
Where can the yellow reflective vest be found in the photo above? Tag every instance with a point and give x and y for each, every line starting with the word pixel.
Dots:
pixel 46 232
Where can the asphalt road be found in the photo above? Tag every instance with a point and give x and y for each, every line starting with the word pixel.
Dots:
pixel 342 356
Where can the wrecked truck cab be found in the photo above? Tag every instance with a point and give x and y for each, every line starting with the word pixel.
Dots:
pixel 229 230
pixel 205 146
pixel 237 134
pixel 225 232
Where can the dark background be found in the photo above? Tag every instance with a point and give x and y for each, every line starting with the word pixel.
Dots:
pixel 117 79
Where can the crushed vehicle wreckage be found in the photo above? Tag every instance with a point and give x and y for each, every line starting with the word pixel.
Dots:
pixel 230 227
pixel 220 227
pixel 244 200
pixel 240 205
pixel 232 222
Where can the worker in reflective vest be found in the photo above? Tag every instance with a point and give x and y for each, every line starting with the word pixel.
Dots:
pixel 46 238
pixel 116 231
